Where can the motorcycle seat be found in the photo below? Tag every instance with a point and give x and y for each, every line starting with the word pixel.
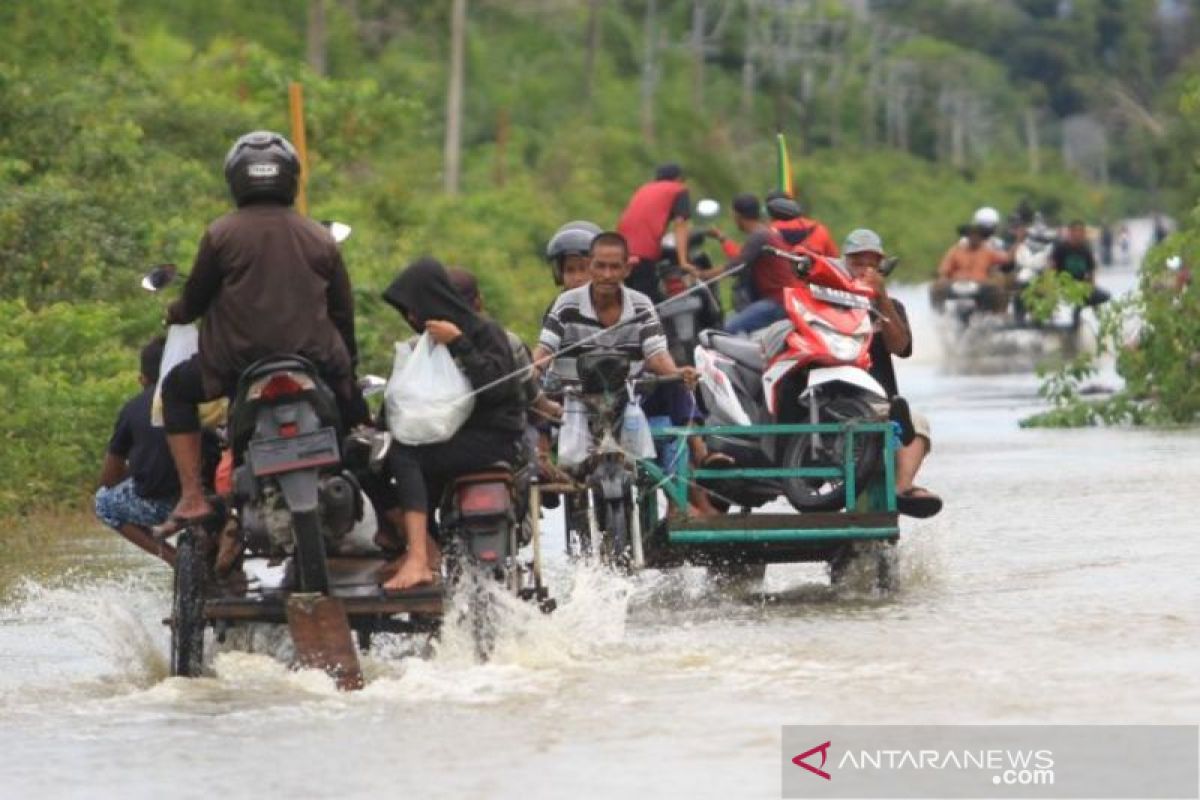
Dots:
pixel 746 352
pixel 499 472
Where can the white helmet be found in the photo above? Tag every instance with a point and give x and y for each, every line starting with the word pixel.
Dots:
pixel 986 217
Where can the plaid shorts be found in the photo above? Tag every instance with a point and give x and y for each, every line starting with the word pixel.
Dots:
pixel 120 504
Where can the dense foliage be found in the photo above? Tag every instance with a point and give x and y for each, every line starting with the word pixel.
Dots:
pixel 115 114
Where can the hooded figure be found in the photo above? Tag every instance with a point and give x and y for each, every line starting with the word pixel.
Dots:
pixel 423 292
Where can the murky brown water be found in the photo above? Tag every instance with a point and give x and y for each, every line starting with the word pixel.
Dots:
pixel 1058 585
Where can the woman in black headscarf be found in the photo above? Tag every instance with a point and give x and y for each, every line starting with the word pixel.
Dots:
pixel 425 297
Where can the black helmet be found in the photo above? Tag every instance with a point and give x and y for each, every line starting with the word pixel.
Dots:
pixel 572 239
pixel 783 208
pixel 262 165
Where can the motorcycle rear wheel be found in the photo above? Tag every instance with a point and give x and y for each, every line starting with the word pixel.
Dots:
pixel 823 494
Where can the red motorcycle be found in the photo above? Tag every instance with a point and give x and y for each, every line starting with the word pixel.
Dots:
pixel 809 368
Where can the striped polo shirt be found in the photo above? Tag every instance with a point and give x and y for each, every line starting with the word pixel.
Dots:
pixel 572 326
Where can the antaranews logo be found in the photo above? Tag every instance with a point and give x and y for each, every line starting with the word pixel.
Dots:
pixel 823 749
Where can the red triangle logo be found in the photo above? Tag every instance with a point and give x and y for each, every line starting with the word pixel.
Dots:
pixel 823 749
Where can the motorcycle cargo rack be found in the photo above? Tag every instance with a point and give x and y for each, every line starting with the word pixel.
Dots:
pixel 868 513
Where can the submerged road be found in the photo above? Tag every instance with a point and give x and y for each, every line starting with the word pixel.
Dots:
pixel 1057 586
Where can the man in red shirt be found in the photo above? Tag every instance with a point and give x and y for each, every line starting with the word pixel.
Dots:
pixel 655 207
pixel 788 218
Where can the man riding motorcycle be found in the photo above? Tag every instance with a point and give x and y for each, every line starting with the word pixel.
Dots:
pixel 266 281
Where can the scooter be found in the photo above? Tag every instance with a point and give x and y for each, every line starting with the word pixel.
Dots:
pixel 809 368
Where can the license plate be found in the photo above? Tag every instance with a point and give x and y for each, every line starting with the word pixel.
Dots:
pixel 286 454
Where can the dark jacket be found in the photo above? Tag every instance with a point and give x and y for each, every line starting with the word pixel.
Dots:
pixel 483 351
pixel 268 281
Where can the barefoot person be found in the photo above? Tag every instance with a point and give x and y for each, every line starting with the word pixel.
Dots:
pixel 138 486
pixel 426 298
pixel 266 282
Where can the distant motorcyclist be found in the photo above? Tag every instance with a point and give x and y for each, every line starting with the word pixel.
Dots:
pixel 656 207
pixel 973 259
pixel 1073 255
pixel 266 282
pixel 788 218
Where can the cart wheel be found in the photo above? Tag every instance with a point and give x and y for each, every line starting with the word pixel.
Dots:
pixel 187 610
pixel 874 558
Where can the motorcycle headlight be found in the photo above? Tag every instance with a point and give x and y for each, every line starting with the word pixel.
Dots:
pixel 844 347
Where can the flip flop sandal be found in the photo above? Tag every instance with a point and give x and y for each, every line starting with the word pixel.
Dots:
pixel 921 506
pixel 717 460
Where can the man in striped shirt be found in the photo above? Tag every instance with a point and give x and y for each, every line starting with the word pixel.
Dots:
pixel 606 315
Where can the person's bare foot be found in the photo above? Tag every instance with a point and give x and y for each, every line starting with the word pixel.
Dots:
pixel 191 508
pixel 411 573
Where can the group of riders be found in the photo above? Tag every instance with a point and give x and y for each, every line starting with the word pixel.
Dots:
pixel 996 266
pixel 268 281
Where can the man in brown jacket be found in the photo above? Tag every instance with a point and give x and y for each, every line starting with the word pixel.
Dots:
pixel 267 281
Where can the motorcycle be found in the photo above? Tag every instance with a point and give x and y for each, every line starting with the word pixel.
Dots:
pixel 613 440
pixel 809 368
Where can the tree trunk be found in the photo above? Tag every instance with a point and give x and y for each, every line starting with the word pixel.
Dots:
pixel 698 24
pixel 649 70
pixel 454 96
pixel 317 36
pixel 1032 144
pixel 593 47
pixel 749 71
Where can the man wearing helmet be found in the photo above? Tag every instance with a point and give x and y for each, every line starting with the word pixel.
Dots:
pixel 568 251
pixel 788 218
pixel 266 281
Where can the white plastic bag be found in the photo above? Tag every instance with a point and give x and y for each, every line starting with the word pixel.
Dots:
pixel 427 397
pixel 636 438
pixel 183 342
pixel 574 441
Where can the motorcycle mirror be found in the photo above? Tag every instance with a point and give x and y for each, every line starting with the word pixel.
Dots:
pixel 708 208
pixel 340 231
pixel 889 264
pixel 159 277
pixel 371 385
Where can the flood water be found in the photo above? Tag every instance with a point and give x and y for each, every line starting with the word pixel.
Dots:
pixel 1058 585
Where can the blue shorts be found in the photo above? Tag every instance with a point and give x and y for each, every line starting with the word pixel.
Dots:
pixel 120 504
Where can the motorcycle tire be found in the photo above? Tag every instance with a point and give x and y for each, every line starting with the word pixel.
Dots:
pixel 187 606
pixel 822 494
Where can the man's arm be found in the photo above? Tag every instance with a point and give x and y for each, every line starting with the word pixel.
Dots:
pixel 893 326
pixel 946 269
pixel 339 299
pixel 201 288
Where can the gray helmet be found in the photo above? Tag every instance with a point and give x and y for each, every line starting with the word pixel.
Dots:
pixel 262 165
pixel 572 239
